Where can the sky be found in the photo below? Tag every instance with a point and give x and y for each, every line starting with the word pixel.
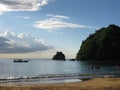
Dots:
pixel 39 28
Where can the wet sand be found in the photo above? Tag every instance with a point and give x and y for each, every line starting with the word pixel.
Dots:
pixel 92 84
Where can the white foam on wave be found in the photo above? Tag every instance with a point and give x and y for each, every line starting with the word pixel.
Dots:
pixel 57 78
pixel 72 80
pixel 11 77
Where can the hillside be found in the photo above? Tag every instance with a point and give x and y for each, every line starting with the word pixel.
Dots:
pixel 104 44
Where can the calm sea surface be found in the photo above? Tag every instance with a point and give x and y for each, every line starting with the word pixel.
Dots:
pixel 50 71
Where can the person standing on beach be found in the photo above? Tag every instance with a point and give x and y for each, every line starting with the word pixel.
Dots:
pixel 91 67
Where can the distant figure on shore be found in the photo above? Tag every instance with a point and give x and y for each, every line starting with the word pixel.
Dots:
pixel 117 66
pixel 96 67
pixel 91 67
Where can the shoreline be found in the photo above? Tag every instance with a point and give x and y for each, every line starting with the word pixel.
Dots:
pixel 52 78
pixel 92 84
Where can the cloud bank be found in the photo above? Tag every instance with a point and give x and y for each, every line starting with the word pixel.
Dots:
pixel 57 22
pixel 21 5
pixel 21 43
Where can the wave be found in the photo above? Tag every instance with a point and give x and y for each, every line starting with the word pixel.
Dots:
pixel 50 78
pixel 45 77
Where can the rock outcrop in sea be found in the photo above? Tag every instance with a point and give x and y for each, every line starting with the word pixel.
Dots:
pixel 59 56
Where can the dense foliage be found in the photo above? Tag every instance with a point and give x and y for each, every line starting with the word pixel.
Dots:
pixel 104 44
pixel 59 56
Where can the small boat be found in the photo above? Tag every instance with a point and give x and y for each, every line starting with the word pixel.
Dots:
pixel 20 60
pixel 72 59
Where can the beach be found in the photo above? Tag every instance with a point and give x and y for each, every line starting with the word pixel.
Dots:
pixel 92 84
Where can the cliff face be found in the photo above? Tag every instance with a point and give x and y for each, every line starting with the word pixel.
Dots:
pixel 104 44
pixel 59 56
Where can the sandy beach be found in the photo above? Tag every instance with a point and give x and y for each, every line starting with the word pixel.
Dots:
pixel 92 84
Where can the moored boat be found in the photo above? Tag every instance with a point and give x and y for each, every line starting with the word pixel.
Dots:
pixel 72 59
pixel 20 60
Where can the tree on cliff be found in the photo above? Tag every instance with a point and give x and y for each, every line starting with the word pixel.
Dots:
pixel 104 44
pixel 59 56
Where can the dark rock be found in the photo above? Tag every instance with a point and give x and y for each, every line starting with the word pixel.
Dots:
pixel 59 56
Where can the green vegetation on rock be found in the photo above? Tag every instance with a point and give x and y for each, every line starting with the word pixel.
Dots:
pixel 104 44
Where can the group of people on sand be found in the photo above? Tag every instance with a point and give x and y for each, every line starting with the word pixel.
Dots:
pixel 94 67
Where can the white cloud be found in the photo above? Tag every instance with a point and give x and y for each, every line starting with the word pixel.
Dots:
pixel 25 17
pixel 58 16
pixel 54 24
pixel 21 43
pixel 21 5
pixel 57 22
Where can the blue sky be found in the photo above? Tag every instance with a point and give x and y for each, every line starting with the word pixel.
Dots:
pixel 45 26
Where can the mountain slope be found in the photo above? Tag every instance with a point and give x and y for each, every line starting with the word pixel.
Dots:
pixel 104 44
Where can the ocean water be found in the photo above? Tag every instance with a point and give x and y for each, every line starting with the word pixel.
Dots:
pixel 52 71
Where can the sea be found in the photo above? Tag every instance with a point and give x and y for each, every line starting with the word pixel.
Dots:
pixel 41 71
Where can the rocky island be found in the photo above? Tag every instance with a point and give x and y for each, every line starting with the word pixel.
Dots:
pixel 59 56
pixel 104 44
